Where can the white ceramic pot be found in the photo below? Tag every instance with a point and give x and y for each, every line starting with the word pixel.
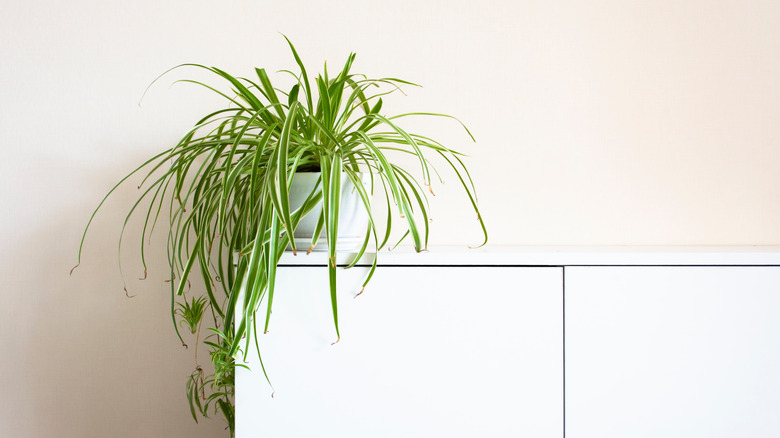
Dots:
pixel 353 218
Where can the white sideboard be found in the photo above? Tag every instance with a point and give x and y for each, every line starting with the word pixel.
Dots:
pixel 515 342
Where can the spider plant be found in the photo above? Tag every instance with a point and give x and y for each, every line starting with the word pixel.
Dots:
pixel 223 193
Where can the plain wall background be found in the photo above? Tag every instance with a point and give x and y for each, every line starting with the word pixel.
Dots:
pixel 597 122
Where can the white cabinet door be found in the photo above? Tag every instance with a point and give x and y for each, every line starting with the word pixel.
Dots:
pixel 672 352
pixel 424 352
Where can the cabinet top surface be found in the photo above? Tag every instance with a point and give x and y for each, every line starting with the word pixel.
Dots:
pixel 560 256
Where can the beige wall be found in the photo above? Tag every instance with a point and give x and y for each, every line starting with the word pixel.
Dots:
pixel 598 122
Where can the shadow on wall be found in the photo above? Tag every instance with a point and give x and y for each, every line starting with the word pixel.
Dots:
pixel 82 359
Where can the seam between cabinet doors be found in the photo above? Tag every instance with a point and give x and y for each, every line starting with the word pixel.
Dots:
pixel 563 347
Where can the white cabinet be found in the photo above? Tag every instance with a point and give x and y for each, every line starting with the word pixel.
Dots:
pixel 425 352
pixel 678 351
pixel 684 343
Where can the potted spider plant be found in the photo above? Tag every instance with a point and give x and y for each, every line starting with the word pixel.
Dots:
pixel 224 194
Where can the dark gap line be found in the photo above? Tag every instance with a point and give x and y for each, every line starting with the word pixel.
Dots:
pixel 563 299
